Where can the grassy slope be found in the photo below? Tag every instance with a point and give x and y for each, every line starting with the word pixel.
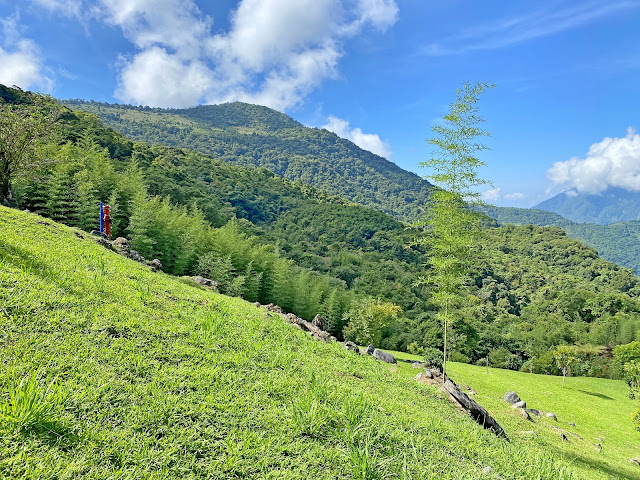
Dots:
pixel 600 408
pixel 156 378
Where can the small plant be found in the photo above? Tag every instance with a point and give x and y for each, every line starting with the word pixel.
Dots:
pixel 363 464
pixel 31 407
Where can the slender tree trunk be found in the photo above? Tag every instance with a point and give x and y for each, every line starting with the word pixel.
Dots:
pixel 444 361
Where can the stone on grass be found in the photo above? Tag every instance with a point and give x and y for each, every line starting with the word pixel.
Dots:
pixel 572 424
pixel 319 321
pixel 352 347
pixel 155 264
pixel 511 397
pixel 520 404
pixel 525 415
pixel 370 349
pixel 598 447
pixel 552 416
pixel 417 364
pixel 384 356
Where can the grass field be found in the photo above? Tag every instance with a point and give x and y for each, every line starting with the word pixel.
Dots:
pixel 600 409
pixel 111 371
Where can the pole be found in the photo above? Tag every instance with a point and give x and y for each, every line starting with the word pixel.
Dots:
pixel 101 218
pixel 107 220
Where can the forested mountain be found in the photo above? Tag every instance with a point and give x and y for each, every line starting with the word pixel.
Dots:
pixel 255 136
pixel 612 205
pixel 277 240
pixel 618 242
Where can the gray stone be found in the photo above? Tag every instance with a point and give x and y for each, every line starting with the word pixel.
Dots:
pixel 352 347
pixel 428 374
pixel 525 414
pixel 598 447
pixel 133 255
pixel 635 461
pixel 520 404
pixel 417 364
pixel 384 356
pixel 121 244
pixel 552 416
pixel 155 265
pixel 572 424
pixel 511 397
pixel 533 411
pixel 370 349
pixel 205 282
pixel 319 321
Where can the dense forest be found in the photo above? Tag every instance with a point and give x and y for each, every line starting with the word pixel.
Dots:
pixel 618 242
pixel 255 136
pixel 273 240
pixel 613 205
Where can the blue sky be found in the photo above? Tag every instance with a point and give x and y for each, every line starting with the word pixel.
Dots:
pixel 379 72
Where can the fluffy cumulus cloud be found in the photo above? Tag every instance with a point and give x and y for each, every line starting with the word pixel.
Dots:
pixel 20 60
pixel 613 162
pixel 366 141
pixel 274 53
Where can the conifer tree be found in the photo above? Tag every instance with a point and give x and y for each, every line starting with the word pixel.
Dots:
pixel 452 223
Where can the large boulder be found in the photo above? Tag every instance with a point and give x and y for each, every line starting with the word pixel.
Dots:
pixel 370 349
pixel 511 397
pixel 205 282
pixel 155 265
pixel 384 356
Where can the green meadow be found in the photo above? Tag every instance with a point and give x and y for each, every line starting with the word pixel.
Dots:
pixel 600 409
pixel 111 371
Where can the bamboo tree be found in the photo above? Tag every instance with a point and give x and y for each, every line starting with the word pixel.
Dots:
pixel 451 225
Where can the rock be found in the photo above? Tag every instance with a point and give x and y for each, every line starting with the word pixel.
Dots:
pixel 525 414
pixel 418 364
pixel 435 372
pixel 370 349
pixel 155 265
pixel 511 397
pixel 121 244
pixel 352 347
pixel 575 435
pixel 472 392
pixel 598 447
pixel 520 404
pixel 273 308
pixel 315 332
pixel 423 378
pixel 552 416
pixel 572 424
pixel 133 255
pixel 99 234
pixel 635 460
pixel 564 437
pixel 477 412
pixel 427 374
pixel 205 282
pixel 319 321
pixel 533 411
pixel 384 356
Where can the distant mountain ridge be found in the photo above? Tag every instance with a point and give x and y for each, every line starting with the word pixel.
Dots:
pixel 613 205
pixel 256 136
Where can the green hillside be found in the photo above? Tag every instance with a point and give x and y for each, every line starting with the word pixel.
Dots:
pixel 255 136
pixel 311 252
pixel 113 371
pixel 618 242
pixel 602 442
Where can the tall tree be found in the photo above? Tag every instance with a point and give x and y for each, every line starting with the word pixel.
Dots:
pixel 451 226
pixel 21 129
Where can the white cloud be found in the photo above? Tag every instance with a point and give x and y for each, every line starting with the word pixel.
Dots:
pixel 511 31
pixel 613 162
pixel 366 141
pixel 153 75
pixel 20 60
pixel 514 196
pixel 68 8
pixel 491 195
pixel 274 53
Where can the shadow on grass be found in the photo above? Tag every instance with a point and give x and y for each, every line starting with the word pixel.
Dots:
pixel 599 395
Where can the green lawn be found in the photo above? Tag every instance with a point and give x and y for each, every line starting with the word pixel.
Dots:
pixel 111 371
pixel 600 409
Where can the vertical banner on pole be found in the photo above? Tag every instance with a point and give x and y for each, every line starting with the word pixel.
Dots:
pixel 101 218
pixel 107 220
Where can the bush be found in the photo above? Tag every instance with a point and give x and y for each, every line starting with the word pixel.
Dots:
pixel 458 357
pixel 433 357
pixel 366 320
